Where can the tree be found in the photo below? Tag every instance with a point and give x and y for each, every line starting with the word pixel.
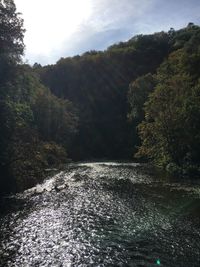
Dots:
pixel 170 133
pixel 163 133
pixel 11 31
pixel 56 119
pixel 139 91
pixel 36 130
pixel 11 39
pixel 36 127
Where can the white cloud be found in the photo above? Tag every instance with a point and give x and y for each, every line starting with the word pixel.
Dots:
pixel 66 27
pixel 48 23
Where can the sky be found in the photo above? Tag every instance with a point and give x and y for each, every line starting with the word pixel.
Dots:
pixel 64 28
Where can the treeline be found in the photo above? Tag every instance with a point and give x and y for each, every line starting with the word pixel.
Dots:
pixel 140 97
pixel 36 126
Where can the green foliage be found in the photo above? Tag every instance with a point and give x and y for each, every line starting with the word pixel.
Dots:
pixel 11 39
pixel 25 106
pixel 170 132
pixel 97 84
pixel 36 129
pixel 83 114
pixel 138 93
pixel 33 123
pixel 11 31
pixel 55 118
pixel 163 126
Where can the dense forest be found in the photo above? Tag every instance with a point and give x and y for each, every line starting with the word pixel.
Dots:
pixel 139 98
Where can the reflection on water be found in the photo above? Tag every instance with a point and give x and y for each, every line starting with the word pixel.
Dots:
pixel 103 214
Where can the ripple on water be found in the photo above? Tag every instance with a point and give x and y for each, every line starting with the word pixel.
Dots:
pixel 102 214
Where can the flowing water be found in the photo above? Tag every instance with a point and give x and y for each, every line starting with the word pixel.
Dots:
pixel 103 214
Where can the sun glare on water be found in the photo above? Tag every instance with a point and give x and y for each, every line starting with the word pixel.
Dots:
pixel 49 23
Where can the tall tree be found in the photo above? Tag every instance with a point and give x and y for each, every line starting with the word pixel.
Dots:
pixel 170 132
pixel 11 31
pixel 11 38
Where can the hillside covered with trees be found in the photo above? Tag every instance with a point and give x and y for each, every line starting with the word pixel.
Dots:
pixel 159 75
pixel 97 83
pixel 141 96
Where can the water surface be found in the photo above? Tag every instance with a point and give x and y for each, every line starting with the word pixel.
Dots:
pixel 103 214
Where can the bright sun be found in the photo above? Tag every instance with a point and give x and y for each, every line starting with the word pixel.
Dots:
pixel 48 22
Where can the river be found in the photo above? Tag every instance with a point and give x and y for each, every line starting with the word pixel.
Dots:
pixel 103 214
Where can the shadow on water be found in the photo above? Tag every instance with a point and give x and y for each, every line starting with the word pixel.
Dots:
pixel 103 214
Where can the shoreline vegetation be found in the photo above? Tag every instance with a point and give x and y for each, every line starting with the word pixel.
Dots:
pixel 138 99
